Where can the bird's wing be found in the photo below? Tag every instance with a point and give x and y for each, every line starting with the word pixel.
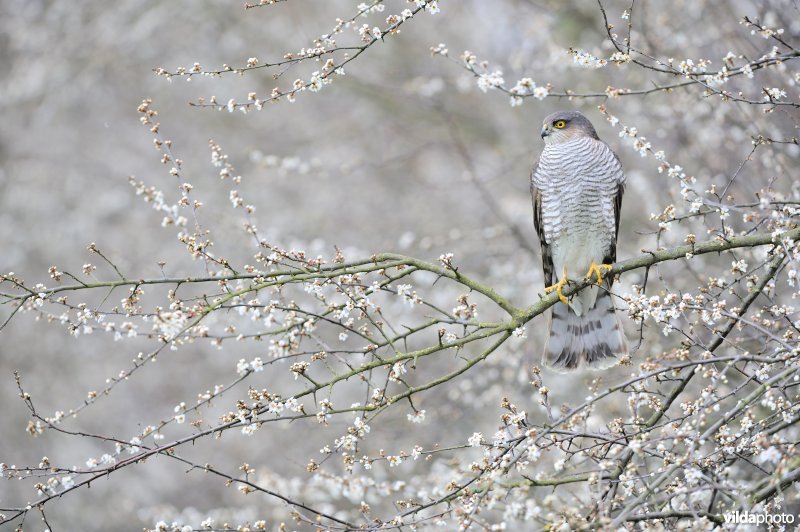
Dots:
pixel 612 252
pixel 617 211
pixel 611 257
pixel 547 257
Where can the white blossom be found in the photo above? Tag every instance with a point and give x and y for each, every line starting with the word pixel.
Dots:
pixel 774 94
pixel 490 81
pixel 585 59
pixel 475 440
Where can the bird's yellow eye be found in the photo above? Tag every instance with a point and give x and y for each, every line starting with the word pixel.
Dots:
pixel 560 124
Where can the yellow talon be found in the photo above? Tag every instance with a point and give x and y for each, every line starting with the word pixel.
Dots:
pixel 558 287
pixel 597 269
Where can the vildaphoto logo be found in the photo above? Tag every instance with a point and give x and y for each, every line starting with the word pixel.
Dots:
pixel 742 518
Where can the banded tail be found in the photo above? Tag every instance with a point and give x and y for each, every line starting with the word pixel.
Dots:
pixel 594 339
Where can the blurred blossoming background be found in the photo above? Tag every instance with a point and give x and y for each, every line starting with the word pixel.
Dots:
pixel 416 142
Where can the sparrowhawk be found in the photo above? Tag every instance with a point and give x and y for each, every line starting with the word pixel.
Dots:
pixel 577 188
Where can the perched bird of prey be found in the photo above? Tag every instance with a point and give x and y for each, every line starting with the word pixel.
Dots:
pixel 577 188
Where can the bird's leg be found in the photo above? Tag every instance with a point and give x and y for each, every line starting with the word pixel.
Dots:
pixel 597 269
pixel 559 286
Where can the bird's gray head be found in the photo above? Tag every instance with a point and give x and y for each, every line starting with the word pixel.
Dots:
pixel 563 126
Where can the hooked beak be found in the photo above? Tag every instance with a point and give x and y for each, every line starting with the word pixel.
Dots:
pixel 545 130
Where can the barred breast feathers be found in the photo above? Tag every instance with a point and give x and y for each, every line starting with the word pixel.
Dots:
pixel 578 181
